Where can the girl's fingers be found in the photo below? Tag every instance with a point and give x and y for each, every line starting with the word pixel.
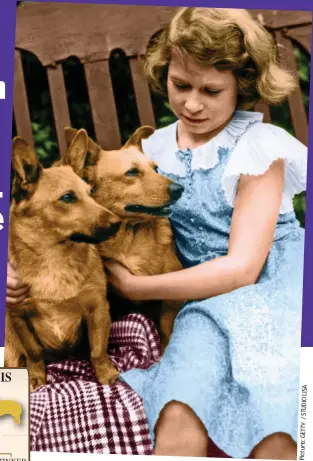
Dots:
pixel 11 264
pixel 110 265
pixel 14 283
pixel 116 269
pixel 12 272
pixel 17 293
pixel 14 301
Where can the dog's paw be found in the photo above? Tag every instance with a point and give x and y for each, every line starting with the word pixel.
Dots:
pixel 36 381
pixel 113 375
pixel 106 372
pixel 37 374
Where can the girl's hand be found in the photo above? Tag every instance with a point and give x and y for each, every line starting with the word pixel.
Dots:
pixel 17 291
pixel 122 280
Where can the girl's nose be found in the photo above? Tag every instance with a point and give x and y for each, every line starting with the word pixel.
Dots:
pixel 193 103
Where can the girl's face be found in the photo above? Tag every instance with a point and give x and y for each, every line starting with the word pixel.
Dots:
pixel 203 99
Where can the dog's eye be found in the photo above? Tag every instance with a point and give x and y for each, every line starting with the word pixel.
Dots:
pixel 69 197
pixel 93 190
pixel 132 172
pixel 156 168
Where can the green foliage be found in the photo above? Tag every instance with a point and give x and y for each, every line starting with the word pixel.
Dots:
pixel 299 203
pixel 168 117
pixel 304 74
pixel 43 143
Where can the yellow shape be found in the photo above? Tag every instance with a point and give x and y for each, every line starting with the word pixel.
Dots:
pixel 10 407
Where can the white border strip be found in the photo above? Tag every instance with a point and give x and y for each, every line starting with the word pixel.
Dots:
pixel 38 456
pixel 1 356
pixel 305 431
pixel 2 90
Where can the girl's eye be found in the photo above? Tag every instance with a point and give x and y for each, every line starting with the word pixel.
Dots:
pixel 69 197
pixel 132 172
pixel 181 86
pixel 212 92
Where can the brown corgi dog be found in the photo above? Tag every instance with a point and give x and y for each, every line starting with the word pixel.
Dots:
pixel 54 226
pixel 126 182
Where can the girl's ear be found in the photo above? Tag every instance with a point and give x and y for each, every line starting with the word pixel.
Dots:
pixel 141 133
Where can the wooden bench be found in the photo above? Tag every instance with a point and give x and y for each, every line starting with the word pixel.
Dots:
pixel 53 32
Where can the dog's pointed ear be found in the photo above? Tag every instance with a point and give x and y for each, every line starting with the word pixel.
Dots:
pixel 26 168
pixel 76 154
pixel 93 150
pixel 141 133
pixel 70 134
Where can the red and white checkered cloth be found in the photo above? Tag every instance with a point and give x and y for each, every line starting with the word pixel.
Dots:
pixel 73 413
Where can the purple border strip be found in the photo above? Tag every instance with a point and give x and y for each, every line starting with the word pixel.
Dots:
pixel 7 39
pixel 300 5
pixel 307 311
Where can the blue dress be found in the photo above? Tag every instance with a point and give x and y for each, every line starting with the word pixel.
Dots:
pixel 234 358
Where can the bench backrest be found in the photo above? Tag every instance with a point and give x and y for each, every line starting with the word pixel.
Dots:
pixel 53 32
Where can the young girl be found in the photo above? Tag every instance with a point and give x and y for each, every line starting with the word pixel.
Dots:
pixel 231 369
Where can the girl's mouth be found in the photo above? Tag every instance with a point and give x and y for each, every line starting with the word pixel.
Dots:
pixel 194 121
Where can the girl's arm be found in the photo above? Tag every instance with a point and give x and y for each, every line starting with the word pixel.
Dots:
pixel 252 230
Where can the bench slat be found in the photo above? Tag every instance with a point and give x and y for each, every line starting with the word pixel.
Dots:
pixel 59 103
pixel 262 106
pixel 142 92
pixel 21 110
pixel 302 35
pixel 102 104
pixel 296 104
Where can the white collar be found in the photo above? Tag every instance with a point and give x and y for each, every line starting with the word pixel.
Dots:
pixel 164 148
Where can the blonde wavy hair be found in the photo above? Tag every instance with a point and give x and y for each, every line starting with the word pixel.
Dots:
pixel 228 39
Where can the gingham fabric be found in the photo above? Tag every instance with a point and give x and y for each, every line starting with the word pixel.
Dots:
pixel 73 413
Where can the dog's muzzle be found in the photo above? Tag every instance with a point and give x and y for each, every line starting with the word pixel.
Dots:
pixel 176 191
pixel 99 235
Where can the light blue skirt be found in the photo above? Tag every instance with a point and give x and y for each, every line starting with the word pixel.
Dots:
pixel 235 358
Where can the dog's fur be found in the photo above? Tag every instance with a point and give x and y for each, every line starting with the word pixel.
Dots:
pixel 52 243
pixel 126 182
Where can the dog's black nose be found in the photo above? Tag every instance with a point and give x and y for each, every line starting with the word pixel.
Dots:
pixel 176 191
